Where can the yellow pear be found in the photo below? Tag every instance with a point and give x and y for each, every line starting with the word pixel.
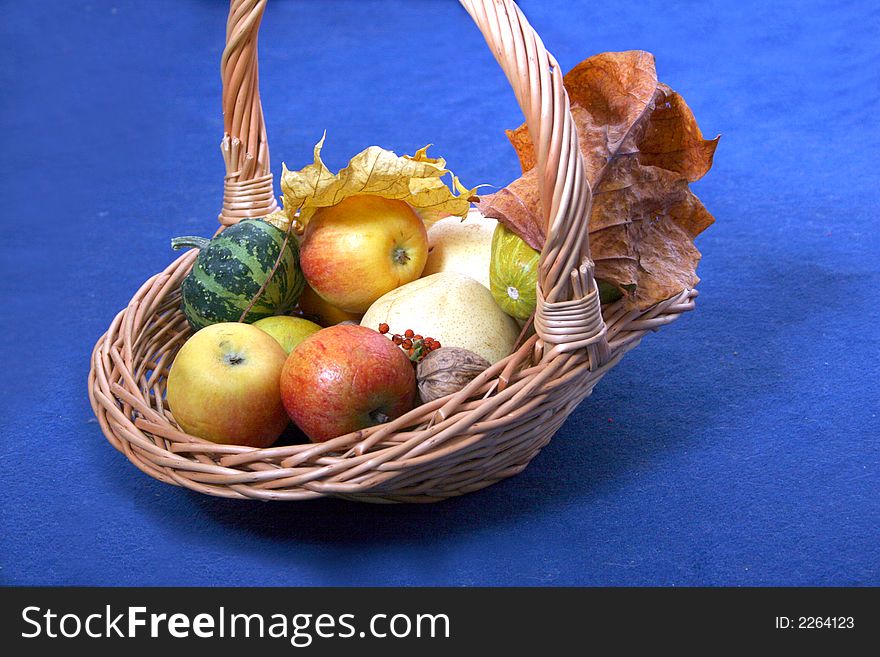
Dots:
pixel 450 307
pixel 463 246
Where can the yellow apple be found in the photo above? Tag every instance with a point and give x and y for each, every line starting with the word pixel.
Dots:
pixel 452 308
pixel 462 246
pixel 288 331
pixel 225 385
pixel 357 250
pixel 312 305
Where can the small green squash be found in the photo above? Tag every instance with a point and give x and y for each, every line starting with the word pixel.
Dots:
pixel 608 293
pixel 230 270
pixel 513 273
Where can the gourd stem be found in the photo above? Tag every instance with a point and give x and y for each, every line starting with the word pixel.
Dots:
pixel 189 242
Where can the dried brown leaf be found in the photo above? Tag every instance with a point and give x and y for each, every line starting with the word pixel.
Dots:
pixel 641 147
pixel 519 206
pixel 673 140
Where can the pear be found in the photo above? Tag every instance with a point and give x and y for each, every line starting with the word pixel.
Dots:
pixel 463 246
pixel 450 307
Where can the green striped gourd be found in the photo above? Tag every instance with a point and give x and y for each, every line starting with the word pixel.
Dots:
pixel 231 268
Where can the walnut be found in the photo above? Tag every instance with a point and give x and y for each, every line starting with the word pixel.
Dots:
pixel 447 370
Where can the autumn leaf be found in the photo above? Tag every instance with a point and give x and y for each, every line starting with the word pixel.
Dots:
pixel 673 140
pixel 416 179
pixel 641 147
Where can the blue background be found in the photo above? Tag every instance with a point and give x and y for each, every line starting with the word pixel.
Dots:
pixel 738 446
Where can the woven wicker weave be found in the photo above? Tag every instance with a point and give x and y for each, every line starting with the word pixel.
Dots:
pixel 454 445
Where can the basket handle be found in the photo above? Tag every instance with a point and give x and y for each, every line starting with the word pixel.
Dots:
pixel 568 314
pixel 247 185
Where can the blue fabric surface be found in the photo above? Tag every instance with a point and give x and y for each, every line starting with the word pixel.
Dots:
pixel 738 446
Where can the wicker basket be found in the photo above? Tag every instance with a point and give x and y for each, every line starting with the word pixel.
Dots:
pixel 454 445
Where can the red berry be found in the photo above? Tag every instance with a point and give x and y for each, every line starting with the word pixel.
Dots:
pixel 417 337
pixel 396 339
pixel 436 344
pixel 384 328
pixel 408 333
pixel 407 344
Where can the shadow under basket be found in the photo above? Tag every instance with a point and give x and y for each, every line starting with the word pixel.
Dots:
pixel 488 431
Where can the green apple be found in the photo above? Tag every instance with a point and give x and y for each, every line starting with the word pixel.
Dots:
pixel 289 331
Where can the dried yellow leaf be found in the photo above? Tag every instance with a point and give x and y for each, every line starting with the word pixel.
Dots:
pixel 415 179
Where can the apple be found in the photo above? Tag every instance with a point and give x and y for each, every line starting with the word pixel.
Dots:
pixel 344 378
pixel 224 385
pixel 288 331
pixel 311 305
pixel 357 250
pixel 462 246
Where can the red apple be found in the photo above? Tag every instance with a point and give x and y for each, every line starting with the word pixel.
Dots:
pixel 357 250
pixel 344 378
pixel 224 385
